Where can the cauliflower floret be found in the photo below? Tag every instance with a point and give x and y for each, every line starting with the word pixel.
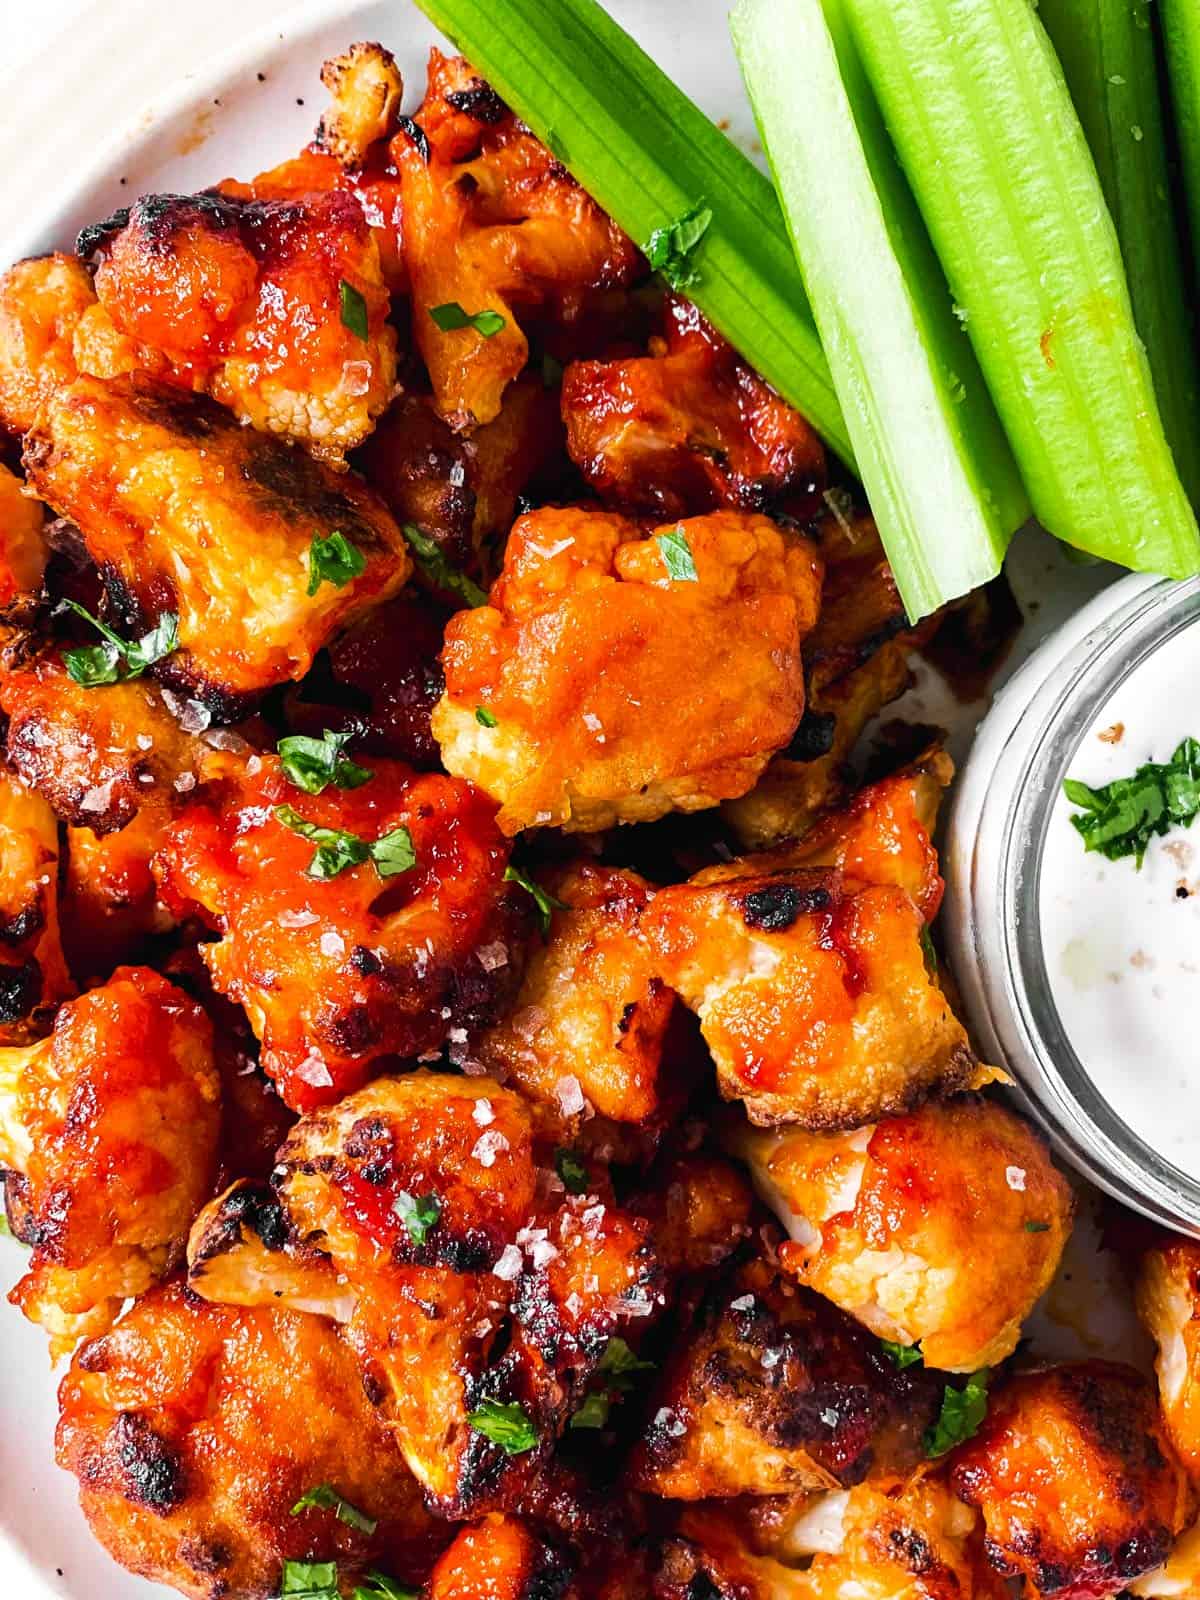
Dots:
pixel 337 969
pixel 188 513
pixel 588 636
pixel 492 222
pixel 689 428
pixel 1168 1303
pixel 1079 1487
pixel 41 303
pixel 773 1391
pixel 941 1228
pixel 108 1134
pixel 33 974
pixel 277 308
pixel 813 993
pixel 365 86
pixel 194 1430
pixel 592 1022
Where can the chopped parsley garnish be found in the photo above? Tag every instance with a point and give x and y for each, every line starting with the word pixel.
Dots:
pixel 927 950
pixel 669 249
pixel 677 555
pixel 451 316
pixel 571 1170
pixel 504 1424
pixel 1037 1227
pixel 593 1413
pixel 378 1586
pixel 963 1410
pixel 310 1580
pixel 545 902
pixel 334 560
pixel 900 1355
pixel 336 850
pixel 616 1368
pixel 326 1498
pixel 1122 817
pixel 314 764
pixel 117 659
pixel 354 309
pixel 484 717
pixel 418 1213
pixel 437 570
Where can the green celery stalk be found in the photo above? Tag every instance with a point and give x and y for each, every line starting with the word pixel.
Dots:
pixel 649 156
pixel 1181 36
pixel 933 457
pixel 1108 54
pixel 975 100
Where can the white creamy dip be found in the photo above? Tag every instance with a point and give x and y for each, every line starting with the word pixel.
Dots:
pixel 1122 947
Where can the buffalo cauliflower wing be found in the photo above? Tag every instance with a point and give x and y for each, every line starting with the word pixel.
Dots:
pixel 277 308
pixel 485 1296
pixel 259 551
pixel 592 1026
pixel 689 428
pixel 194 1432
pixel 493 223
pixel 365 89
pixel 108 1136
pixel 941 1228
pixel 33 973
pixel 1078 1484
pixel 773 1391
pixel 338 959
pixel 813 992
pixel 1168 1303
pixel 42 302
pixel 592 630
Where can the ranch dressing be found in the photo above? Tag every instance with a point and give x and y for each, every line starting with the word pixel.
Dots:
pixel 1122 946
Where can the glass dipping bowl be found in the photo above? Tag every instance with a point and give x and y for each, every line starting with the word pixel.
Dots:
pixel 993 861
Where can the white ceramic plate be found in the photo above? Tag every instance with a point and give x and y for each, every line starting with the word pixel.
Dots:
pixel 185 130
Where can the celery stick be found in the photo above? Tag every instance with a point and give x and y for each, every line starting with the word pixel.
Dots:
pixel 1107 50
pixel 976 103
pixel 652 159
pixel 1181 35
pixel 933 457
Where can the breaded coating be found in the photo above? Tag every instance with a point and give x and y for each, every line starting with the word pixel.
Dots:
pixel 591 1017
pixel 587 637
pixel 699 1208
pixel 477 1285
pixel 22 547
pixel 492 222
pixel 1076 1478
pixel 461 489
pixel 185 512
pixel 99 756
pixel 500 1558
pixel 194 1430
pixel 774 1391
pixel 365 87
pixel 940 1229
pixel 41 303
pixel 689 428
pixel 110 906
pixel 277 308
pixel 1168 1303
pixel 337 972
pixel 108 1134
pixel 813 993
pixel 33 974
pixel 911 1543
